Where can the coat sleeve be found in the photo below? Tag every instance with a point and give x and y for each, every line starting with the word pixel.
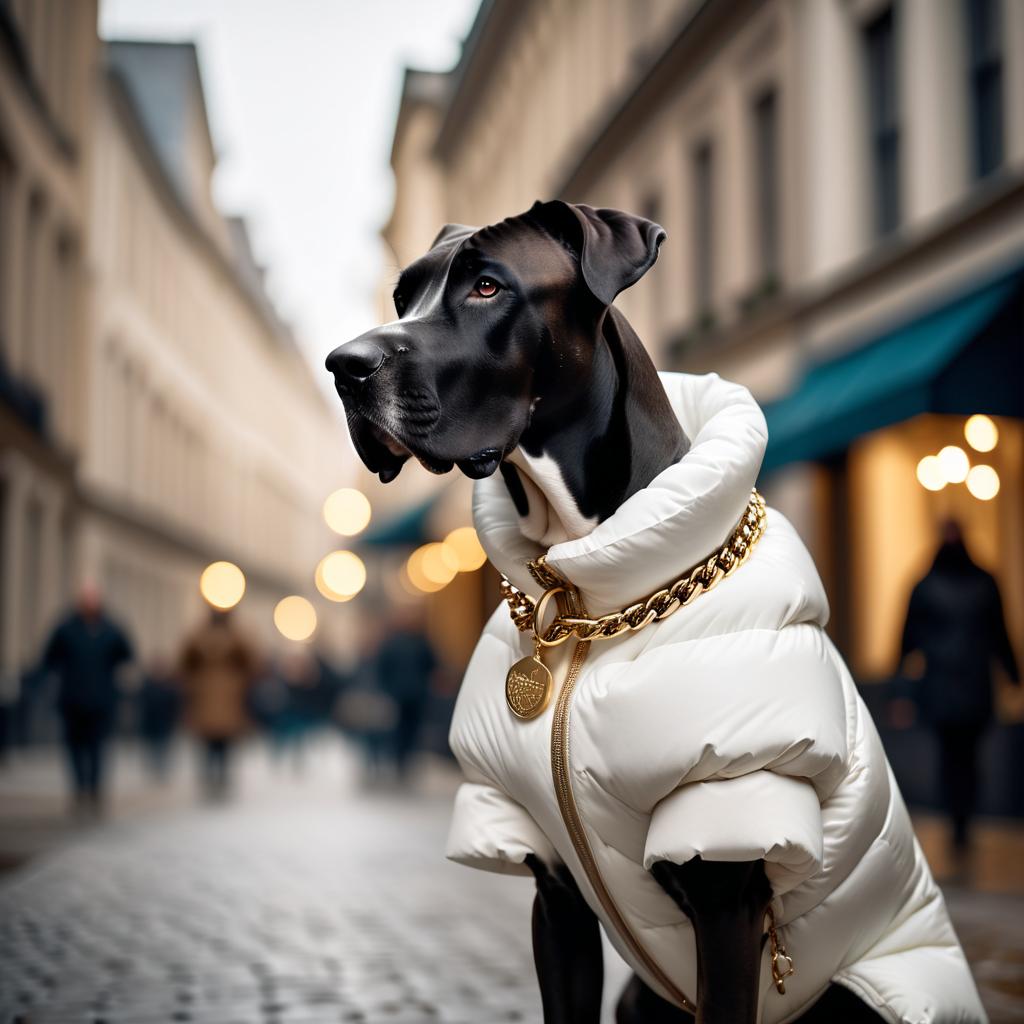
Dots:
pixel 493 832
pixel 54 651
pixel 759 816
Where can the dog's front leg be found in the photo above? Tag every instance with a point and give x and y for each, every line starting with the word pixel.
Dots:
pixel 566 947
pixel 727 903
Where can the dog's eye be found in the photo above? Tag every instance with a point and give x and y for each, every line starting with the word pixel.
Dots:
pixel 486 288
pixel 399 300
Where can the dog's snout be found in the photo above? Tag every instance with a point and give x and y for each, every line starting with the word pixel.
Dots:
pixel 355 361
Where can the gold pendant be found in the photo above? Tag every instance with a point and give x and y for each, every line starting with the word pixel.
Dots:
pixel 528 687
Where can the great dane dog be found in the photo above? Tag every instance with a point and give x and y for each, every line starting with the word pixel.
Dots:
pixel 469 376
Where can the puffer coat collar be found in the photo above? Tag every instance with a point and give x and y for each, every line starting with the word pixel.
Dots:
pixel 678 520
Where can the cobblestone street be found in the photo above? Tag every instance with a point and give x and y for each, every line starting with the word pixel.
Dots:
pixel 307 901
pixel 302 904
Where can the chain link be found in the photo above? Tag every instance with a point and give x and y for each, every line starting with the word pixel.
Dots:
pixel 660 605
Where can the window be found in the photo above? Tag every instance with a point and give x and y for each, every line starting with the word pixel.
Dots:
pixel 883 121
pixel 30 594
pixel 651 210
pixel 32 302
pixel 985 84
pixel 766 157
pixel 6 558
pixel 6 212
pixel 703 246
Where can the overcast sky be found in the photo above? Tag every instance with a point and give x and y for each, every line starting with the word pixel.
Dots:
pixel 302 97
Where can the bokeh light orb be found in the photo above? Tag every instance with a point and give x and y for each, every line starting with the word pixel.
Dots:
pixel 418 576
pixel 439 563
pixel 347 511
pixel 983 482
pixel 321 585
pixel 955 464
pixel 340 575
pixel 222 585
pixel 930 474
pixel 981 432
pixel 469 553
pixel 295 618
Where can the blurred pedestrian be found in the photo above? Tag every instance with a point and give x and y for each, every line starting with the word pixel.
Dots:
pixel 267 704
pixel 217 669
pixel 369 717
pixel 362 711
pixel 10 690
pixel 301 675
pixel 159 705
pixel 85 652
pixel 406 664
pixel 955 629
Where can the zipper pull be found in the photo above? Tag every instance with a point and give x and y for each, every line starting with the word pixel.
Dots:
pixel 782 962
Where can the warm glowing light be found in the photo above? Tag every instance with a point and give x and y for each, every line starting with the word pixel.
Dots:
pixel 325 590
pixel 347 511
pixel 295 618
pixel 318 579
pixel 981 433
pixel 418 576
pixel 983 482
pixel 222 584
pixel 930 473
pixel 955 464
pixel 340 575
pixel 466 545
pixel 439 563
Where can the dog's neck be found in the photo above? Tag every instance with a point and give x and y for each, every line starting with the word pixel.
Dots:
pixel 593 440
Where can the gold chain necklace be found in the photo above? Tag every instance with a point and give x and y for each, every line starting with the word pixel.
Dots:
pixel 526 613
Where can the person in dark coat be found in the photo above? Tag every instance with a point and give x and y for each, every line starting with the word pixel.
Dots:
pixel 955 624
pixel 85 652
pixel 405 666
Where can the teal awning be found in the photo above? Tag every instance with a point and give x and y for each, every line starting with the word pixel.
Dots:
pixel 963 357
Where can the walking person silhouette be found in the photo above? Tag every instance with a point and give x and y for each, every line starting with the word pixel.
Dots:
pixel 955 622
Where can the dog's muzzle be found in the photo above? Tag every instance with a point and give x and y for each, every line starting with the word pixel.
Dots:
pixel 354 363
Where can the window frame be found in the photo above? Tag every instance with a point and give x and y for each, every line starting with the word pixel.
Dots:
pixel 767 205
pixel 702 202
pixel 985 83
pixel 880 46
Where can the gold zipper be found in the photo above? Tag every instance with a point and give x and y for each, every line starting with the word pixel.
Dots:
pixel 560 772
pixel 528 701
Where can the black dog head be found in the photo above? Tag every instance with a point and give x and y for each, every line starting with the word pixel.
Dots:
pixel 492 321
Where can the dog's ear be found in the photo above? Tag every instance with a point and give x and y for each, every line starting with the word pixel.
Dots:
pixel 450 233
pixel 615 249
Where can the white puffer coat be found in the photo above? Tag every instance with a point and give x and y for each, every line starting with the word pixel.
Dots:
pixel 731 730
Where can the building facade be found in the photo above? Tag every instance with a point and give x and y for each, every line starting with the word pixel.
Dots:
pixel 205 436
pixel 48 60
pixel 841 181
pixel 155 413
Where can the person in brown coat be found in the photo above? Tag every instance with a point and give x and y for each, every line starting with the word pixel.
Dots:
pixel 217 668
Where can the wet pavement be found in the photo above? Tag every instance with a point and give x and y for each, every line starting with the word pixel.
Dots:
pixel 309 901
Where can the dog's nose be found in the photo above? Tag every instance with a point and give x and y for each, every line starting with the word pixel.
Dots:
pixel 355 362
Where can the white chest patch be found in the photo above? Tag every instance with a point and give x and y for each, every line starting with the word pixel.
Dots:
pixel 553 516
